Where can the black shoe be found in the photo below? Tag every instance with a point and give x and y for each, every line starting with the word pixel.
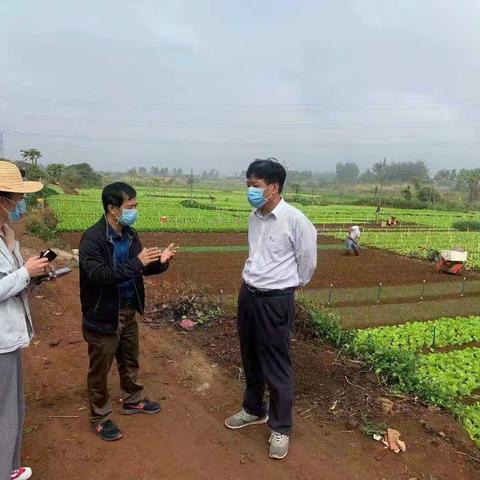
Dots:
pixel 108 431
pixel 144 406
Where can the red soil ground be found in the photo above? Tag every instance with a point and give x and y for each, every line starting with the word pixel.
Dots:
pixel 196 377
pixel 222 271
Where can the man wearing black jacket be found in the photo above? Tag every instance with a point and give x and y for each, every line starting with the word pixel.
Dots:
pixel 112 266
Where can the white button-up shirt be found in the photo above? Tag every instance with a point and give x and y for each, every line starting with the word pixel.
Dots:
pixel 282 249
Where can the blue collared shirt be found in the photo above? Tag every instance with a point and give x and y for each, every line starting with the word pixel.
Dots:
pixel 121 249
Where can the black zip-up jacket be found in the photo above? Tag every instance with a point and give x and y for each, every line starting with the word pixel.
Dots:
pixel 100 277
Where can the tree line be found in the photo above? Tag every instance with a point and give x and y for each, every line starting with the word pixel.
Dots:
pixel 415 173
pixel 380 174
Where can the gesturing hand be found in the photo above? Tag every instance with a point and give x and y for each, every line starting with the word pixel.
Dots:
pixel 149 255
pixel 168 253
pixel 36 266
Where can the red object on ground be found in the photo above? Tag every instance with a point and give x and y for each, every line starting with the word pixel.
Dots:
pixel 187 324
pixel 446 266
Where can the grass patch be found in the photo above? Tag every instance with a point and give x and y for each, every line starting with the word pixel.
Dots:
pixel 241 248
pixel 467 225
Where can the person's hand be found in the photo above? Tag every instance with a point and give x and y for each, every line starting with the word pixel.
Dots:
pixel 169 253
pixel 49 270
pixel 149 255
pixel 37 266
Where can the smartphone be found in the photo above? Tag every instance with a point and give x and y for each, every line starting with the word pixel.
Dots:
pixel 49 254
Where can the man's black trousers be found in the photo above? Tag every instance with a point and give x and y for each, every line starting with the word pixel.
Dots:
pixel 264 326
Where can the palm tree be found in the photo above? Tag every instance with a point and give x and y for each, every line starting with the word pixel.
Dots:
pixel 472 179
pixel 378 170
pixel 31 154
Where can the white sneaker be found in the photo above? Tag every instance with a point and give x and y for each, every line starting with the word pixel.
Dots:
pixel 244 419
pixel 278 445
pixel 23 473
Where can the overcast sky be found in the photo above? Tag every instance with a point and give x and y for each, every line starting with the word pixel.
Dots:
pixel 215 84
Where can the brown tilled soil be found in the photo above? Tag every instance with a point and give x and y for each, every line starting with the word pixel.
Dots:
pixel 185 239
pixel 222 271
pixel 196 376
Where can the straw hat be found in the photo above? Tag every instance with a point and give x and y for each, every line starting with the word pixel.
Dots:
pixel 11 180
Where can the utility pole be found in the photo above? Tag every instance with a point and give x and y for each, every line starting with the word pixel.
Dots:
pixel 2 154
pixel 191 187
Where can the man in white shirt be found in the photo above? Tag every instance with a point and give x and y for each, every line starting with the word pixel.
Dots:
pixel 282 257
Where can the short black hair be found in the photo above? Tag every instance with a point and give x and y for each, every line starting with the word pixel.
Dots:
pixel 6 194
pixel 269 170
pixel 116 193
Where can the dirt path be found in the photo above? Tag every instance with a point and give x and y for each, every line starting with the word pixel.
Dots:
pixel 187 440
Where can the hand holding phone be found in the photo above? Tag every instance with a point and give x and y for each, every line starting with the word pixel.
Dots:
pixel 36 267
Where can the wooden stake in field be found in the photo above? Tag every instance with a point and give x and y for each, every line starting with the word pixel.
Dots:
pixel 379 292
pixel 330 293
pixel 423 289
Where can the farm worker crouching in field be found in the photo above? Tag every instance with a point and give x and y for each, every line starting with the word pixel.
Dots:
pixel 352 246
pixel 282 257
pixel 392 222
pixel 16 328
pixel 112 266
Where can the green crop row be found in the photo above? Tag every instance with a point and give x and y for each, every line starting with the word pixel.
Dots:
pixel 213 210
pixel 469 415
pixel 452 374
pixel 420 244
pixel 414 336
pixel 445 379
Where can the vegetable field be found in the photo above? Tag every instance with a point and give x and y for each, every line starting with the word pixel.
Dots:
pixel 437 360
pixel 227 211
pixel 448 378
pixel 419 244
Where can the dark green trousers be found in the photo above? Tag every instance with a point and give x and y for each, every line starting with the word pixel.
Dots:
pixel 102 350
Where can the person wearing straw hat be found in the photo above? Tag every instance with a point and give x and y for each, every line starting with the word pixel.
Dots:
pixel 16 328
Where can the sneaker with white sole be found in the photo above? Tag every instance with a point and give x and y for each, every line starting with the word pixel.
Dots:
pixel 278 445
pixel 244 419
pixel 23 473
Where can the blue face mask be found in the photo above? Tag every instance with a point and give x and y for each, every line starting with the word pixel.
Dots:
pixel 255 197
pixel 18 212
pixel 129 216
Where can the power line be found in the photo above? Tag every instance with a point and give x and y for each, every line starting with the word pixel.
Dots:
pixel 340 105
pixel 229 143
pixel 341 124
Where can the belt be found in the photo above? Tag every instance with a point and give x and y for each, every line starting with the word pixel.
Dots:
pixel 269 293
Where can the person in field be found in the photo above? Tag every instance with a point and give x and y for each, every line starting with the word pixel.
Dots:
pixel 352 245
pixel 392 222
pixel 112 266
pixel 282 257
pixel 16 328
